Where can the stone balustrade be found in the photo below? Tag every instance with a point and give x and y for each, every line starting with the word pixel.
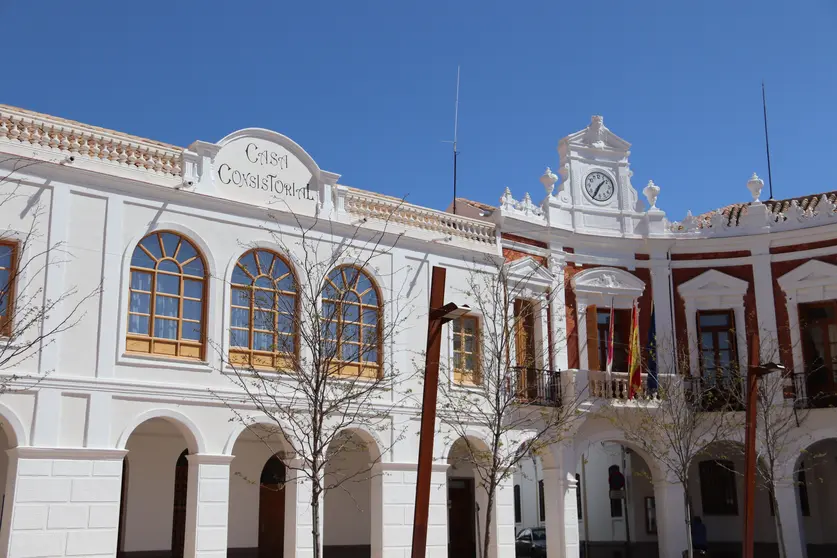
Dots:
pixel 373 206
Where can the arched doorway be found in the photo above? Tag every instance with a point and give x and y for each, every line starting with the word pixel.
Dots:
pixel 272 509
pixel 347 515
pixel 467 500
pixel 816 483
pixel 716 494
pixel 262 503
pixel 154 489
pixel 617 512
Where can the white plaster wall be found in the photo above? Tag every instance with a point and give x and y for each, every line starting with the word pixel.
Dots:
pixel 526 476
pixel 348 514
pixel 152 454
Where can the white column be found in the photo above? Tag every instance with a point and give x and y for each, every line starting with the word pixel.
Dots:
pixel 789 512
pixel 572 546
pixel 671 518
pixel 503 533
pixel 62 502
pixel 304 522
pixel 207 505
pixel 111 287
pixel 558 314
pixel 666 340
pixel 55 288
pixel 765 309
pixel 437 519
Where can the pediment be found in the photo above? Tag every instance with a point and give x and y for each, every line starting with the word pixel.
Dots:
pixel 608 281
pixel 527 270
pixel 813 273
pixel 713 283
pixel 596 136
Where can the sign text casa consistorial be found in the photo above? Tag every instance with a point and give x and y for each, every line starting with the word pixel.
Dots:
pixel 256 165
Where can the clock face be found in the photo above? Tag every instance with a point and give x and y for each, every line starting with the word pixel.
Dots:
pixel 599 186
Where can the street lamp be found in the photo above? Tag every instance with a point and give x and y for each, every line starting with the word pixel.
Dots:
pixel 754 373
pixel 439 315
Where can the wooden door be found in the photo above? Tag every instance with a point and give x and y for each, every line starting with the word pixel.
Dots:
pixel 819 333
pixel 272 509
pixel 462 541
pixel 178 524
pixel 525 348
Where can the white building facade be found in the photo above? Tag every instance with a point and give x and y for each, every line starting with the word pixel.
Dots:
pixel 124 442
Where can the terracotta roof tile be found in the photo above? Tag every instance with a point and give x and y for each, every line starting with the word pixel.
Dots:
pixel 777 208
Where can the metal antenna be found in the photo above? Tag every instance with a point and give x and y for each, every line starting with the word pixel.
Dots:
pixel 455 130
pixel 766 141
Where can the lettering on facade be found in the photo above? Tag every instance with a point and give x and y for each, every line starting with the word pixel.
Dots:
pixel 270 176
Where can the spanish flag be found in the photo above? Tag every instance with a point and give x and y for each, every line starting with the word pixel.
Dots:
pixel 634 357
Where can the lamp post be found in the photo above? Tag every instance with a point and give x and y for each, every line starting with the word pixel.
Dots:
pixel 754 372
pixel 438 315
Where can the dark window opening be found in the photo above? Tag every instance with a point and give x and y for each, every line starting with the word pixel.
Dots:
pixel 717 487
pixel 541 502
pixel 621 334
pixel 517 510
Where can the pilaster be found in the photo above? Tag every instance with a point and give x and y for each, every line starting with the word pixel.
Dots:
pixel 207 505
pixel 765 304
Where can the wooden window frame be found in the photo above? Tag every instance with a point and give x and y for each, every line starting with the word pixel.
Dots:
pixel 361 368
pixel 249 355
pixel 9 290
pixel 179 347
pixel 716 331
pixel 461 375
pixel 620 347
pixel 713 488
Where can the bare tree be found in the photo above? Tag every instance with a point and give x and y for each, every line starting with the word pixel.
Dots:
pixel 675 424
pixel 521 409
pixel 306 348
pixel 780 413
pixel 30 317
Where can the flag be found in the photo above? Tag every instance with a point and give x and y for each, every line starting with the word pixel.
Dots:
pixel 652 353
pixel 609 367
pixel 634 381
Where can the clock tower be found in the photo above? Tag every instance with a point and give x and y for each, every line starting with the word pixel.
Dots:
pixel 595 193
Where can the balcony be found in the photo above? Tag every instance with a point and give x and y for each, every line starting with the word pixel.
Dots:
pixel 812 390
pixel 616 385
pixel 535 386
pixel 717 392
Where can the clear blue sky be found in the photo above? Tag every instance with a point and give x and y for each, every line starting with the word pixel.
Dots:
pixel 368 87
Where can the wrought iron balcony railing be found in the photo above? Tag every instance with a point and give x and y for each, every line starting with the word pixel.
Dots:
pixel 535 386
pixel 814 390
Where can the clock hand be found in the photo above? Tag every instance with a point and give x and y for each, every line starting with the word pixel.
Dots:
pixel 598 188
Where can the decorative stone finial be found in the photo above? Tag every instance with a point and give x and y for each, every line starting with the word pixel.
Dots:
pixel 548 180
pixel 507 200
pixel 755 184
pixel 651 192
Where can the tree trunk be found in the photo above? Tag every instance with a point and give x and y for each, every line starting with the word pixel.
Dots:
pixel 777 520
pixel 487 538
pixel 688 511
pixel 316 490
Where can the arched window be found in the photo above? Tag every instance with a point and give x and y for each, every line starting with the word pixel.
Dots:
pixel 263 314
pixel 168 289
pixel 351 313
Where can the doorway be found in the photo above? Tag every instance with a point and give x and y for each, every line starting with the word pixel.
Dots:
pixel 462 541
pixel 178 527
pixel 272 509
pixel 525 357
